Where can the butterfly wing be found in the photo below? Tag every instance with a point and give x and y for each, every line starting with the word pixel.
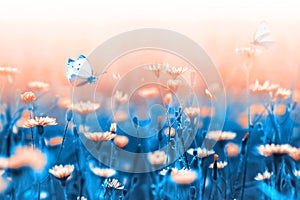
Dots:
pixel 83 68
pixel 263 36
pixel 71 73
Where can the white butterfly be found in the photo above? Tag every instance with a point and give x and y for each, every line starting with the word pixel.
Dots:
pixel 263 36
pixel 80 69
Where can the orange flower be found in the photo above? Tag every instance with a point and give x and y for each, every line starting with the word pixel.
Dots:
pixel 99 136
pixel 38 86
pixel 157 157
pixel 84 108
pixel 265 175
pixel 40 121
pixel 183 176
pixel 269 150
pixel 25 117
pixel 294 153
pixel 28 97
pixel 102 172
pixel 62 172
pixel 232 149
pixel 168 98
pixel 27 156
pixel 121 140
pixel 64 102
pixel 54 141
pixel 148 92
pixel 8 71
pixel 220 135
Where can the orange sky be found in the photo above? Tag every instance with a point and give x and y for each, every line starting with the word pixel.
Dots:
pixel 41 36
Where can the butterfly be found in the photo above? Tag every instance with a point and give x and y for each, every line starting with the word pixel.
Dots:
pixel 263 36
pixel 81 70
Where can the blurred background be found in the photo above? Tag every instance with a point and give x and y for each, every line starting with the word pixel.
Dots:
pixel 38 37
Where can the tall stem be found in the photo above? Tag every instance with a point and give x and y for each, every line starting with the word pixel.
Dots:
pixel 247 95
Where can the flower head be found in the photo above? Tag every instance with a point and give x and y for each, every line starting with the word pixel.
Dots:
pixel 27 156
pixel 64 102
pixel 157 157
pixel 264 176
pixel 54 141
pixel 266 87
pixel 102 172
pixel 232 149
pixel 283 93
pixel 173 84
pixel 183 176
pixel 220 135
pixel 84 107
pixel 100 136
pixel 201 152
pixel 114 183
pixel 38 86
pixel 249 51
pixel 28 97
pixel 174 72
pixel 168 98
pixel 148 92
pixel 220 165
pixel 155 68
pixel 8 71
pixel 62 172
pixel 271 149
pixel 294 153
pixel 121 140
pixel 40 121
